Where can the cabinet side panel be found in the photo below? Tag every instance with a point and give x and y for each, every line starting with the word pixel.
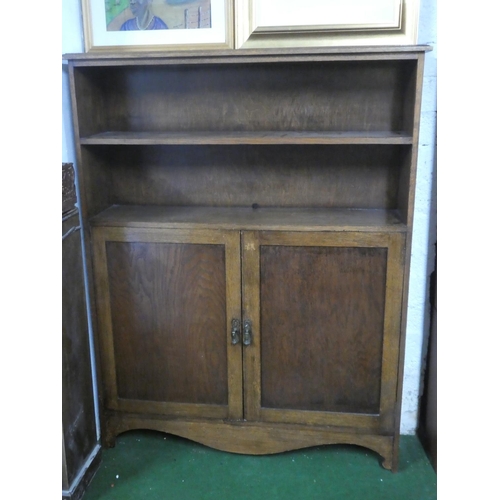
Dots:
pixel 405 181
pixel 91 101
pixel 169 321
pixel 410 81
pixel 95 181
pixel 322 326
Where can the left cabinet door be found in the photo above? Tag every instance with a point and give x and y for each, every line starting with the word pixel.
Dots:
pixel 166 299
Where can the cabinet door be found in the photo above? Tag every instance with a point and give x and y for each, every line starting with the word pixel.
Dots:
pixel 325 312
pixel 166 300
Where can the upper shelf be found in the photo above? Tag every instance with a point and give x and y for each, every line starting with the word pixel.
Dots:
pixel 304 102
pixel 228 138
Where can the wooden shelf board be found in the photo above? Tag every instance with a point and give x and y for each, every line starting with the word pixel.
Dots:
pixel 270 137
pixel 105 57
pixel 247 218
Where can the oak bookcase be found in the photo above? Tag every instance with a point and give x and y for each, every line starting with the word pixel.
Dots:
pixel 248 219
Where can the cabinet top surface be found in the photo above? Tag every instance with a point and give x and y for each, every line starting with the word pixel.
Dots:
pixel 246 218
pixel 101 58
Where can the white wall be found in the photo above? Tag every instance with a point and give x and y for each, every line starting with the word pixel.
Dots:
pixel 424 232
pixel 72 42
pixel 425 203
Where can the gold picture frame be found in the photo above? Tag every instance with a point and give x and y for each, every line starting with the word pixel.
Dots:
pixel 320 23
pixel 151 25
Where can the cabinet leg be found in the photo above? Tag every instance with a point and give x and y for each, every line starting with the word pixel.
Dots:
pixel 108 436
pixel 390 462
pixel 387 463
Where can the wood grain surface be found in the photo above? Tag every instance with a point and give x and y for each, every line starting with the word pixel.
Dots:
pixel 322 319
pixel 169 321
pixel 275 186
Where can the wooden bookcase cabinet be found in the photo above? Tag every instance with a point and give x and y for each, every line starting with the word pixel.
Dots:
pixel 248 218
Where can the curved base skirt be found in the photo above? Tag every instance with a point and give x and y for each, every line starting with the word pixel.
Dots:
pixel 253 438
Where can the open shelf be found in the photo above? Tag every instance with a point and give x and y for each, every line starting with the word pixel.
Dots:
pixel 247 218
pixel 335 102
pixel 342 176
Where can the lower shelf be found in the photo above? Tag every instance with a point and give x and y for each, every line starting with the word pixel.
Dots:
pixel 248 218
pixel 253 438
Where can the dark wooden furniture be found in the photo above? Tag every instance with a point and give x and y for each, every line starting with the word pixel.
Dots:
pixel 80 450
pixel 427 425
pixel 249 215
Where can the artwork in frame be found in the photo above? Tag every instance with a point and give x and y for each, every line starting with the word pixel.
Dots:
pixel 147 25
pixel 320 23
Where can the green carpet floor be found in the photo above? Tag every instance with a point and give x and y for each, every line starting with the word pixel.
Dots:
pixel 155 466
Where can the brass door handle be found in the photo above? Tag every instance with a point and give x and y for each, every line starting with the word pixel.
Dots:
pixel 235 331
pixel 247 332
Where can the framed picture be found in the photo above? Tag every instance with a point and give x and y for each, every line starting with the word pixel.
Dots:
pixel 316 23
pixel 157 24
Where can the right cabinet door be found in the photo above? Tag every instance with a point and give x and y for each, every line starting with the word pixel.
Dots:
pixel 325 314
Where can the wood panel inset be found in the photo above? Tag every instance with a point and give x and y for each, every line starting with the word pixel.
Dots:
pixel 283 96
pixel 322 327
pixel 168 307
pixel 341 176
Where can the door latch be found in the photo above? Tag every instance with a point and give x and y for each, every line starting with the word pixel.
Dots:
pixel 247 332
pixel 235 331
